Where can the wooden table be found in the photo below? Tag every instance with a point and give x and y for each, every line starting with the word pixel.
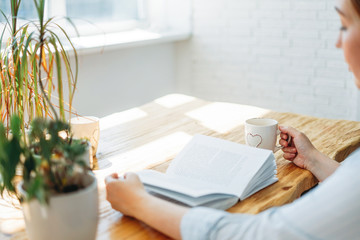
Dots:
pixel 151 135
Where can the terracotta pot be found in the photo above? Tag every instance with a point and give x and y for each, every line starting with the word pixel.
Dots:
pixel 69 216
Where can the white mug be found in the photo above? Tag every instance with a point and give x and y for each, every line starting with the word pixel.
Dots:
pixel 88 128
pixel 262 133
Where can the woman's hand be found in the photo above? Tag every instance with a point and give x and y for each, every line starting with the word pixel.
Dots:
pixel 128 196
pixel 302 153
pixel 300 150
pixel 125 194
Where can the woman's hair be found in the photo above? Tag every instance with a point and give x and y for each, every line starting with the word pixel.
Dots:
pixel 356 4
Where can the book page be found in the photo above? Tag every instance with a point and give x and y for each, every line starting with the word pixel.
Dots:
pixel 173 183
pixel 209 164
pixel 219 162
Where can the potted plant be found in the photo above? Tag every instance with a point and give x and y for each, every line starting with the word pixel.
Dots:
pixel 58 192
pixel 33 61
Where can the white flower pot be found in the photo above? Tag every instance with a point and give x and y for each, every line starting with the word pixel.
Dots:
pixel 69 216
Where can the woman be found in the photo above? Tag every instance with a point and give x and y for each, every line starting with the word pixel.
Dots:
pixel 331 211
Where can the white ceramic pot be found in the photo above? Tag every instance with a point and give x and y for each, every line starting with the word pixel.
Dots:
pixel 69 216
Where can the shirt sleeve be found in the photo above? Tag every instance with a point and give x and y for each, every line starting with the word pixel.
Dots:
pixel 198 222
pixel 206 223
pixel 330 211
pixel 210 224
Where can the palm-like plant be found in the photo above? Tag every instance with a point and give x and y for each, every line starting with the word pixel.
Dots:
pixel 32 58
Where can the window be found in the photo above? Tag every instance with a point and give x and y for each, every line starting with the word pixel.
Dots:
pixel 104 10
pixel 100 14
pixel 27 10
pixel 111 22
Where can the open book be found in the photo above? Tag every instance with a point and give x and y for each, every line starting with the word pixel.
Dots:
pixel 212 172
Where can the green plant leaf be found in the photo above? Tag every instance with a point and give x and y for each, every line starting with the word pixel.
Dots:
pixel 29 166
pixel 10 152
pixel 15 127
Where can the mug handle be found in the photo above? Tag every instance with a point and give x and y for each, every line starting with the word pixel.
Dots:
pixel 278 147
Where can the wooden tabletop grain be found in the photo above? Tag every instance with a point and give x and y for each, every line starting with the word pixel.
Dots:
pixel 151 135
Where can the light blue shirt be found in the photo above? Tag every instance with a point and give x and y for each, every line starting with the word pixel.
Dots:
pixel 330 211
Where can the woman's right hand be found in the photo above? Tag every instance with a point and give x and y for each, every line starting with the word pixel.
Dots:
pixel 303 154
pixel 300 150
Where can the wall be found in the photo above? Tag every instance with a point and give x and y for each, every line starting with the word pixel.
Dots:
pixel 277 54
pixel 112 81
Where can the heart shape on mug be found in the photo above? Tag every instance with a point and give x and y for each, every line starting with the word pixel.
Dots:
pixel 254 140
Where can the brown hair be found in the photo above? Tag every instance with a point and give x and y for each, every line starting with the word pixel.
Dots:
pixel 356 4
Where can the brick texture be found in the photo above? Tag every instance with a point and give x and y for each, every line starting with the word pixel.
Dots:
pixel 276 54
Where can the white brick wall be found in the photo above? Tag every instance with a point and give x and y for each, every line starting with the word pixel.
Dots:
pixel 277 54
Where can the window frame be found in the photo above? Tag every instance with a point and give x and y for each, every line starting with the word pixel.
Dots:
pixel 57 9
pixel 155 26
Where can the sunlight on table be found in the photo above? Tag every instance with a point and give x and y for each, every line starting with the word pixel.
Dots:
pixel 147 155
pixel 223 117
pixel 121 117
pixel 174 100
pixel 10 209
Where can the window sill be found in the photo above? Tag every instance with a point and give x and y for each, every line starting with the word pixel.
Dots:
pixel 127 39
